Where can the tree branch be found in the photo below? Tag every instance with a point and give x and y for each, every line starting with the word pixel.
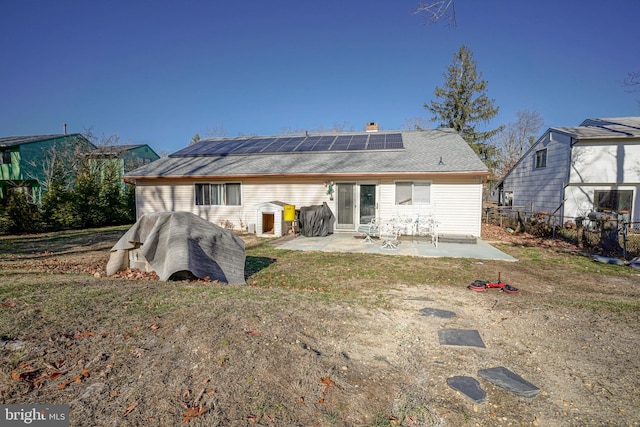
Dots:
pixel 434 11
pixel 632 79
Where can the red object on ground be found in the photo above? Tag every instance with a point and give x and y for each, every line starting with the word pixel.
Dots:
pixel 480 286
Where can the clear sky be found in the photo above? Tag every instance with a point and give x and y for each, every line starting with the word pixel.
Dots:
pixel 157 72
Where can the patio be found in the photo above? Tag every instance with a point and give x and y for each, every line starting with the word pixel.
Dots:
pixel 407 246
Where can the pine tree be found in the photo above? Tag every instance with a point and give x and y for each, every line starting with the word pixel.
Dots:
pixel 464 104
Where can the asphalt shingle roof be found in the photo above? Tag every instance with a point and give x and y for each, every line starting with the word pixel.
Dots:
pixel 11 141
pixel 621 127
pixel 421 154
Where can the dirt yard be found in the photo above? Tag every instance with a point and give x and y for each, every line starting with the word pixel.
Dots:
pixel 318 339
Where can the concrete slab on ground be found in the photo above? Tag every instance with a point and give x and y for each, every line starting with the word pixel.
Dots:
pixel 350 242
pixel 435 312
pixel 469 387
pixel 510 381
pixel 461 337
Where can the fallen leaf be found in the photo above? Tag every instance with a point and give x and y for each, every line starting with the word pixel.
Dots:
pixel 79 335
pixel 191 413
pixel 300 400
pixel 130 408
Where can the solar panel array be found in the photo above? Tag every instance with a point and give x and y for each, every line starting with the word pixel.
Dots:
pixel 357 142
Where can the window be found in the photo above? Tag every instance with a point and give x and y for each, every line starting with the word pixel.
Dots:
pixel 613 200
pixel 541 158
pixel 5 158
pixel 218 195
pixel 413 193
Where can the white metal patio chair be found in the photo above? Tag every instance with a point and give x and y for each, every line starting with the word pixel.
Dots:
pixel 389 235
pixel 370 230
pixel 428 226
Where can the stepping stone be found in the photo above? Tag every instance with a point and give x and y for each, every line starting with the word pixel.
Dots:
pixel 468 386
pixel 445 314
pixel 504 378
pixel 464 337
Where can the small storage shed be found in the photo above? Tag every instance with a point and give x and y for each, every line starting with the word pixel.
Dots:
pixel 270 219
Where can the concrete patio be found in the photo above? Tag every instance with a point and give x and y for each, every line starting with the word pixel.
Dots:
pixel 350 242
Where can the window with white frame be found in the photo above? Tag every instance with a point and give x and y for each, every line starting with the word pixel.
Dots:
pixel 613 200
pixel 541 158
pixel 413 193
pixel 227 194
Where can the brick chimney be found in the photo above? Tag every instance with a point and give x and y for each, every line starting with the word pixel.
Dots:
pixel 372 127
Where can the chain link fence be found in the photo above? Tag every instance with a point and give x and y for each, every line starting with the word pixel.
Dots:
pixel 609 234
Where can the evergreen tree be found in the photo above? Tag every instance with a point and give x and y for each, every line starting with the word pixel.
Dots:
pixel 464 104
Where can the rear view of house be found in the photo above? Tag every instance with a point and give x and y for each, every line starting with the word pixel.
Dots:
pixel 575 170
pixel 360 175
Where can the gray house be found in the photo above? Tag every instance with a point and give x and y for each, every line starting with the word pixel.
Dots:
pixel 574 170
pixel 360 175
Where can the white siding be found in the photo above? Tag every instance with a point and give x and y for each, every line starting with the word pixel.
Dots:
pixel 601 162
pixel 179 196
pixel 456 202
pixel 580 200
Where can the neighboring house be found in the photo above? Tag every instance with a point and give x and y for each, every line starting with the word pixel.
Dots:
pixel 571 171
pixel 360 175
pixel 124 157
pixel 25 160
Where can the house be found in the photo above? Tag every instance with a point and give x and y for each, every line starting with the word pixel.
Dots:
pixel 26 160
pixel 571 171
pixel 360 175
pixel 124 157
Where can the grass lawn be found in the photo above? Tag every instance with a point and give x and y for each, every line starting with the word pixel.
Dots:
pixel 315 339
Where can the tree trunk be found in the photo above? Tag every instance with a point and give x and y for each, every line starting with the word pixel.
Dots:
pixel 520 228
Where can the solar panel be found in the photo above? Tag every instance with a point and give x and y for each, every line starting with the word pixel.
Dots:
pixel 358 142
pixel 394 137
pixel 317 143
pixel 377 138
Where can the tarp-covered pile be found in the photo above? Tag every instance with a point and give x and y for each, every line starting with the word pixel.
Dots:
pixel 179 244
pixel 316 221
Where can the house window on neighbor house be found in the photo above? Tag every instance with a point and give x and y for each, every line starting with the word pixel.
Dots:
pixel 613 200
pixel 508 198
pixel 5 157
pixel 541 158
pixel 413 193
pixel 228 194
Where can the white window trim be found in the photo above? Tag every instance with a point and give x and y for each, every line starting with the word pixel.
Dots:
pixel 413 194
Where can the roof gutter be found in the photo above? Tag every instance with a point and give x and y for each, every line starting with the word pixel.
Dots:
pixel 313 175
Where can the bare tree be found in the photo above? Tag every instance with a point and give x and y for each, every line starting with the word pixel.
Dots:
pixel 344 126
pixel 632 81
pixel 516 137
pixel 437 10
pixel 417 123
pixel 218 131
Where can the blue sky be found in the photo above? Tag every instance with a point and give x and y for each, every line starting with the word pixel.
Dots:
pixel 158 72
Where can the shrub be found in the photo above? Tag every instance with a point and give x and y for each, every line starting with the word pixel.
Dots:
pixel 23 216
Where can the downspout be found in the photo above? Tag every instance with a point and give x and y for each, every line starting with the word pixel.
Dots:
pixel 563 196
